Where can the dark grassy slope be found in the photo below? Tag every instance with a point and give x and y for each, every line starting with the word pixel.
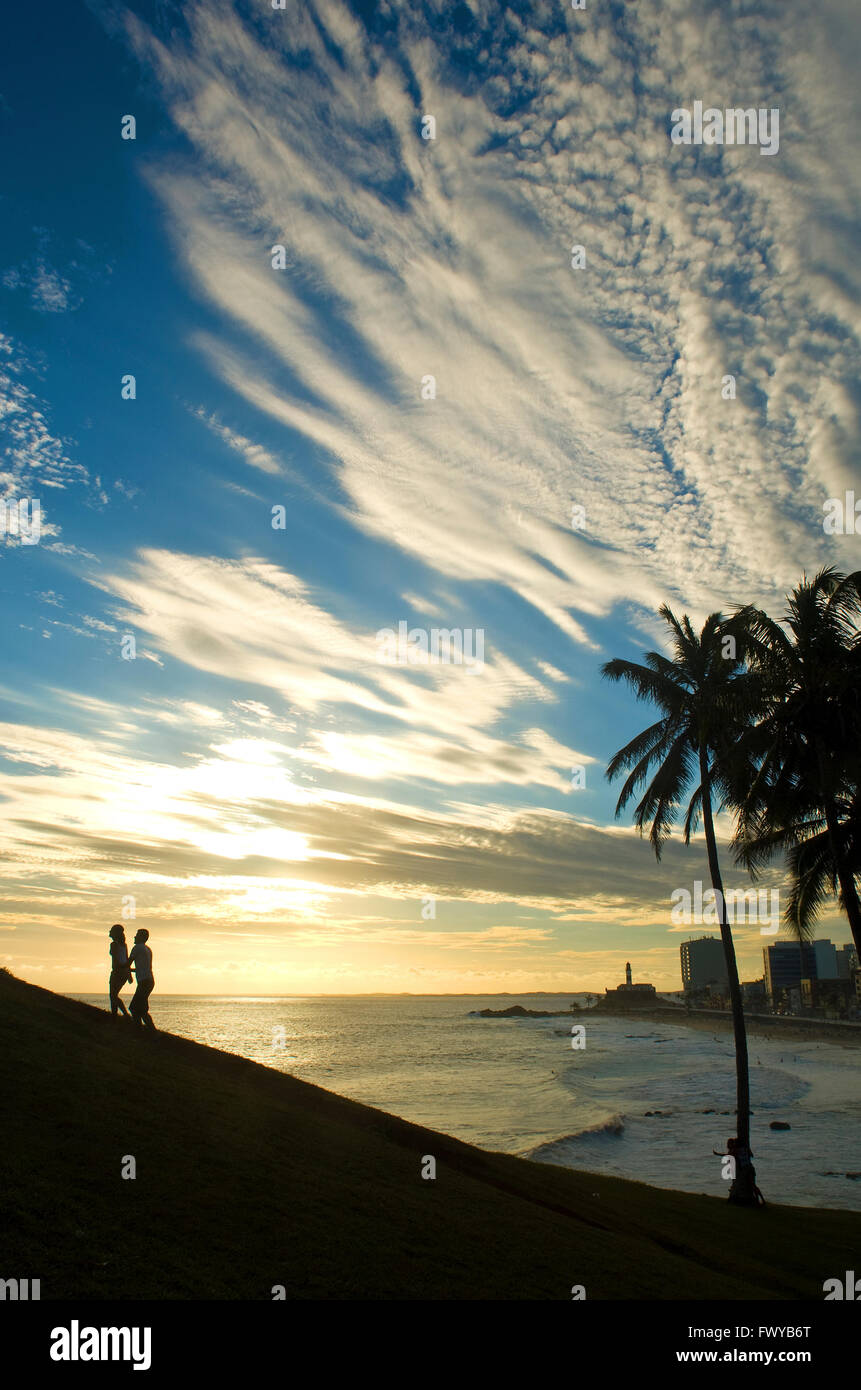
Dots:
pixel 247 1178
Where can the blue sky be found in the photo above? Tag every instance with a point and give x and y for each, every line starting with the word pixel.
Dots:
pixel 277 802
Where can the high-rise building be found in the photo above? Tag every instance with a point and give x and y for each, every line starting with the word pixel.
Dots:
pixel 704 963
pixel 826 960
pixel 847 961
pixel 787 963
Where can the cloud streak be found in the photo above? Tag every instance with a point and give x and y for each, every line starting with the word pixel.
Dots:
pixel 451 258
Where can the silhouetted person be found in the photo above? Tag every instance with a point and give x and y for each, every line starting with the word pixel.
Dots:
pixel 141 961
pixel 743 1189
pixel 120 973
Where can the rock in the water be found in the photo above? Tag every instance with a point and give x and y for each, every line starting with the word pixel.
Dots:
pixel 779 1124
pixel 518 1011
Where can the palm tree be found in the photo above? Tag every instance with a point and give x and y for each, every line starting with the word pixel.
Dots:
pixel 706 697
pixel 801 760
pixel 805 840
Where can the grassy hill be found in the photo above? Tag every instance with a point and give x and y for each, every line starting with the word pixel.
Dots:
pixel 247 1178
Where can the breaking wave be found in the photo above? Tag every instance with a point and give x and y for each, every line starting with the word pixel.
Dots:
pixel 612 1128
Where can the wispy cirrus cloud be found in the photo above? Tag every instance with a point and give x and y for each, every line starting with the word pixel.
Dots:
pixel 237 811
pixel 32 457
pixel 254 454
pixel 435 722
pixel 450 258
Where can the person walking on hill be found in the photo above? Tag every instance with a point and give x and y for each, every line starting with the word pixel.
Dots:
pixel 120 974
pixel 141 961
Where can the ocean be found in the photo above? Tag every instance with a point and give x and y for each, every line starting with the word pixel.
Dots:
pixel 642 1100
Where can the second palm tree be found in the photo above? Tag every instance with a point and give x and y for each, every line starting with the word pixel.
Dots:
pixel 706 697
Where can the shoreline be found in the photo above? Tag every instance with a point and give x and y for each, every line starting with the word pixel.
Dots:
pixel 257 1181
pixel 791 1027
pixel 757 1025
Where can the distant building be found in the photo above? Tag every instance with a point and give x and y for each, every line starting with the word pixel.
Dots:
pixel 786 964
pixel 704 964
pixel 828 998
pixel 753 993
pixel 847 961
pixel 826 960
pixel 627 995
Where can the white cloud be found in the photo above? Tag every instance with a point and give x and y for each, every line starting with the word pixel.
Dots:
pixel 439 718
pixel 552 672
pixel 34 462
pixel 602 386
pixel 254 454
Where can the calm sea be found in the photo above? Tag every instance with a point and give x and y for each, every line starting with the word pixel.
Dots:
pixel 517 1085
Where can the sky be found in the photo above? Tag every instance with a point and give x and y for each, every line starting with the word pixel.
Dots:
pixel 427 409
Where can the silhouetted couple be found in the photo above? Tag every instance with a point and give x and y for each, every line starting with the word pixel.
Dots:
pixel 122 964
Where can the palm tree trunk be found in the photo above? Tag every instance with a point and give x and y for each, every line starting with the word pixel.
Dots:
pixel 743 1189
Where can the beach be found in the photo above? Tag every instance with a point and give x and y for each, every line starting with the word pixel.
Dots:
pixel 648 1100
pixel 254 1181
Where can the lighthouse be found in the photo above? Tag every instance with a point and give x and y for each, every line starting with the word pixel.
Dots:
pixel 629 995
